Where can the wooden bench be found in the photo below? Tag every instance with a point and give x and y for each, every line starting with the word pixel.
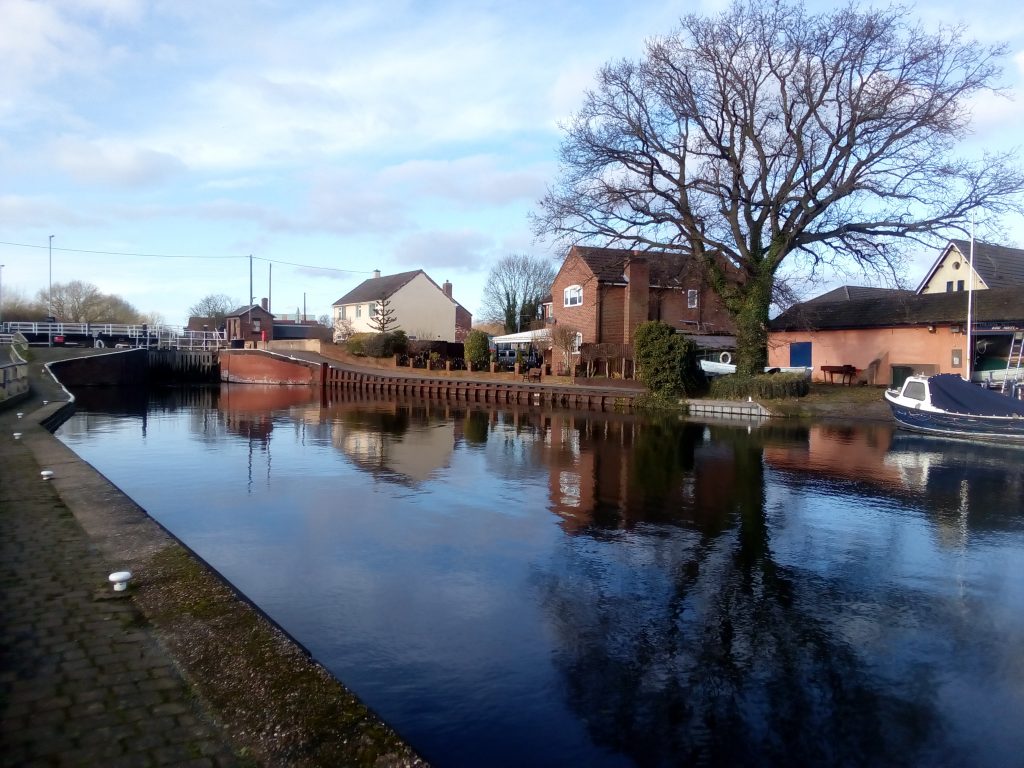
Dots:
pixel 844 372
pixel 532 374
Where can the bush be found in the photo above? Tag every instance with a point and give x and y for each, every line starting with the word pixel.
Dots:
pixel 477 351
pixel 666 361
pixel 768 386
pixel 356 343
pixel 377 344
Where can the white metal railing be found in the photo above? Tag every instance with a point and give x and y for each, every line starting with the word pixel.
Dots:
pixel 115 334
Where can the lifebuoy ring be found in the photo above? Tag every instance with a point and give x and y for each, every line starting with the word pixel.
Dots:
pixel 99 344
pixel 725 357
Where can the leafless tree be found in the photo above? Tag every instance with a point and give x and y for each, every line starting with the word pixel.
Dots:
pixel 766 134
pixel 515 288
pixel 565 339
pixel 384 320
pixel 215 305
pixel 343 328
pixel 80 302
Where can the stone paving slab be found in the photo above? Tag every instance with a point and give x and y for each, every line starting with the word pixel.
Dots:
pixel 183 671
pixel 83 680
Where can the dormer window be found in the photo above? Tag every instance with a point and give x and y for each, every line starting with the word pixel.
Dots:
pixel 574 296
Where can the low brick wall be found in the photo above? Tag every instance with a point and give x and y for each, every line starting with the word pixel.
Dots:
pixel 258 367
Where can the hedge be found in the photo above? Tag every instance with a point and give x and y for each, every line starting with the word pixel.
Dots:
pixel 768 386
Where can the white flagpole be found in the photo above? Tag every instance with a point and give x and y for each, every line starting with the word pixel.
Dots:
pixel 969 360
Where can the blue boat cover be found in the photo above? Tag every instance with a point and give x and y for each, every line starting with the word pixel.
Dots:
pixel 951 393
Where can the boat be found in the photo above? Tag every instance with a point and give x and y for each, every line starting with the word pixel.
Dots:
pixel 946 405
pixel 713 368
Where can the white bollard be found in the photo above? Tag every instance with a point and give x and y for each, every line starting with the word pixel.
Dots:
pixel 120 580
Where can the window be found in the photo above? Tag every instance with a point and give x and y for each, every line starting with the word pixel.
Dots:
pixel 577 343
pixel 359 310
pixel 373 309
pixel 573 295
pixel 341 313
pixel 691 299
pixel 256 325
pixel 949 286
pixel 915 390
pixel 959 285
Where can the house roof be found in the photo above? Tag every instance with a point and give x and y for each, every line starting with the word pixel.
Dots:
pixel 376 287
pixel 884 308
pixel 854 292
pixel 244 310
pixel 608 264
pixel 998 265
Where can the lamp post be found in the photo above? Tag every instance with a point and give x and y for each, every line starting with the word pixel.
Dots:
pixel 49 301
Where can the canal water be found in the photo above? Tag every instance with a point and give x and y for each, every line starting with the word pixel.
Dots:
pixel 534 587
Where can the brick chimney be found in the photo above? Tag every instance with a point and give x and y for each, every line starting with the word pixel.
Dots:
pixel 447 288
pixel 638 293
pixel 265 303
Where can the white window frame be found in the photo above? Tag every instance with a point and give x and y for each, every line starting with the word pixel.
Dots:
pixel 691 299
pixel 359 310
pixel 373 309
pixel 341 313
pixel 573 296
pixel 577 343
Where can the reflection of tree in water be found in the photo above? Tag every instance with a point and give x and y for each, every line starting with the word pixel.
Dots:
pixel 690 645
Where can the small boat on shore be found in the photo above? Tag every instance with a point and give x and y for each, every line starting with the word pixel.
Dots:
pixel 947 405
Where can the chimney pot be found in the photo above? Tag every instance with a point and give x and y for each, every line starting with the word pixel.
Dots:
pixel 376 274
pixel 447 287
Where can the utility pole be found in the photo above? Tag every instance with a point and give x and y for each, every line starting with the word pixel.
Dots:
pixel 248 322
pixel 49 308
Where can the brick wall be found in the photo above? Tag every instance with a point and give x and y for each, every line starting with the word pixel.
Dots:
pixel 610 313
pixel 583 317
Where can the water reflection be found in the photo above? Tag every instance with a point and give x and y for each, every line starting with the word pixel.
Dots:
pixel 537 587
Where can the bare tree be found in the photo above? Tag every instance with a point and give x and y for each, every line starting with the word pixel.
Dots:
pixel 80 302
pixel 343 328
pixel 515 288
pixel 766 134
pixel 565 339
pixel 384 320
pixel 214 305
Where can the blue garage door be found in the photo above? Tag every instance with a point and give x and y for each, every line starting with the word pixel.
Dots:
pixel 800 354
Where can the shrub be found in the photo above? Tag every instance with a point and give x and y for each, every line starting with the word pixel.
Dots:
pixel 666 361
pixel 378 344
pixel 356 343
pixel 477 351
pixel 769 386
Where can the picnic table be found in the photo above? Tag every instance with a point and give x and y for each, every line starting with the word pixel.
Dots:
pixel 844 372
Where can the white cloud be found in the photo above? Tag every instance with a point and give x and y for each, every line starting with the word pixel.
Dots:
pixel 39 212
pixel 114 163
pixel 462 250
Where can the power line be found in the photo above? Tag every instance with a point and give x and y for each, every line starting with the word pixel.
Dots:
pixel 185 256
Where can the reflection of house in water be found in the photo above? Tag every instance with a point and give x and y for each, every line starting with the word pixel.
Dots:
pixel 616 472
pixel 850 453
pixel 403 442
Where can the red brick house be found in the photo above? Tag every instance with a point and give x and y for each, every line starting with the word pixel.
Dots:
pixel 607 292
pixel 252 323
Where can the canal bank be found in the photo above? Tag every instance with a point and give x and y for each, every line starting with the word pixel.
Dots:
pixel 180 670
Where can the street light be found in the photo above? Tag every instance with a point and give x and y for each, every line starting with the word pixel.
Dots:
pixel 49 301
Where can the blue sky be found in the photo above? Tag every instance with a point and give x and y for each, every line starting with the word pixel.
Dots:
pixel 328 138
